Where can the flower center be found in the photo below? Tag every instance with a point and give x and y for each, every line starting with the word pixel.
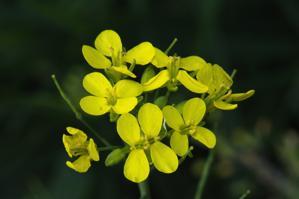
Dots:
pixel 173 69
pixel 79 149
pixel 188 129
pixel 111 98
pixel 146 143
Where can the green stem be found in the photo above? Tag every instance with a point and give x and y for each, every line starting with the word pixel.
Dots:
pixel 144 190
pixel 77 113
pixel 171 46
pixel 233 73
pixel 204 177
pixel 108 148
pixel 244 195
pixel 182 159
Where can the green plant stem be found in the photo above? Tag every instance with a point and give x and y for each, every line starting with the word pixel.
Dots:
pixel 144 190
pixel 244 195
pixel 202 182
pixel 77 113
pixel 108 148
pixel 171 46
pixel 233 73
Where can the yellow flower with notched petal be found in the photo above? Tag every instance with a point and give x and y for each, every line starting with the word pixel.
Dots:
pixel 176 71
pixel 120 98
pixel 188 124
pixel 143 138
pixel 77 144
pixel 219 83
pixel 108 44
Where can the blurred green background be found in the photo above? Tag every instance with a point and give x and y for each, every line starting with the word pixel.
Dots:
pixel 258 144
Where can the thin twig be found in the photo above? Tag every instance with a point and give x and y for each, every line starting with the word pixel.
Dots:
pixel 77 113
pixel 144 190
pixel 234 73
pixel 244 195
pixel 204 177
pixel 171 46
pixel 108 148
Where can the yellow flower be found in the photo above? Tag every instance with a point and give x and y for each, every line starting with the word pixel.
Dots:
pixel 224 102
pixel 143 138
pixel 174 73
pixel 219 83
pixel 188 124
pixel 120 98
pixel 77 144
pixel 108 44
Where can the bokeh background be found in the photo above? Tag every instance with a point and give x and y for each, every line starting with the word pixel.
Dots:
pixel 258 144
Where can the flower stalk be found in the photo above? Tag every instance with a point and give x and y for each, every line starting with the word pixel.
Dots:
pixel 144 190
pixel 203 180
pixel 76 112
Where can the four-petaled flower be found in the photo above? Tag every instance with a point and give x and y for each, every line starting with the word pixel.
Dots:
pixel 108 44
pixel 120 98
pixel 143 138
pixel 76 144
pixel 176 71
pixel 219 84
pixel 188 124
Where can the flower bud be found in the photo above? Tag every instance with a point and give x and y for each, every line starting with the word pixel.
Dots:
pixel 161 101
pixel 115 156
pixel 148 73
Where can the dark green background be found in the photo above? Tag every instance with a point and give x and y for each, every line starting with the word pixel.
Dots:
pixel 258 144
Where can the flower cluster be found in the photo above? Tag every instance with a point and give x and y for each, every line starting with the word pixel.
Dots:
pixel 154 132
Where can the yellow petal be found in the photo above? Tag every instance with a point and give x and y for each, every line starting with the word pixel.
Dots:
pixel 124 70
pixel 190 83
pixel 221 78
pixel 94 105
pixel 193 111
pixel 67 145
pixel 224 105
pixel 164 158
pixel 143 53
pixel 205 75
pixel 136 168
pixel 109 43
pixel 157 81
pixel 93 150
pixel 77 132
pixel 150 119
pixel 192 63
pixel 241 96
pixel 128 129
pixel 95 58
pixel 173 117
pixel 179 143
pixel 128 88
pixel 97 84
pixel 80 165
pixel 125 105
pixel 160 59
pixel 205 136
